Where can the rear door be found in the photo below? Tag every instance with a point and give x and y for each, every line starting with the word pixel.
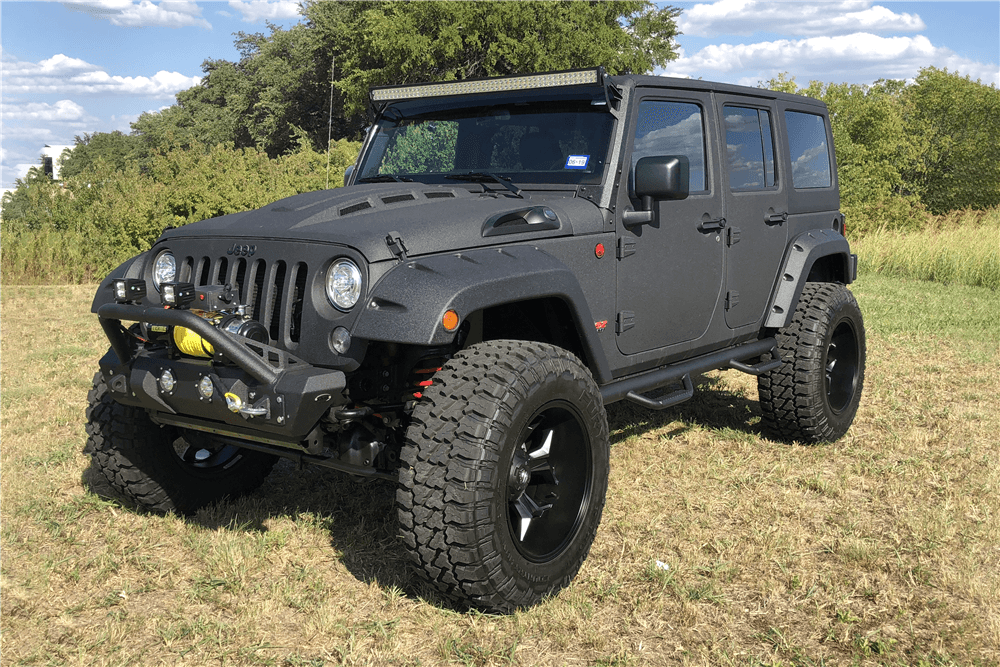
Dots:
pixel 756 206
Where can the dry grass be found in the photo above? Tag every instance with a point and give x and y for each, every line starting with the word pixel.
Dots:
pixel 882 549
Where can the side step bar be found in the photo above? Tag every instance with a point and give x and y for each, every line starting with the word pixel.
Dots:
pixel 632 388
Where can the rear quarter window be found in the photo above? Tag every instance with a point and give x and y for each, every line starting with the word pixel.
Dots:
pixel 808 149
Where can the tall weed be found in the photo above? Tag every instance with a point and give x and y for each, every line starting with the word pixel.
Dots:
pixel 46 257
pixel 961 247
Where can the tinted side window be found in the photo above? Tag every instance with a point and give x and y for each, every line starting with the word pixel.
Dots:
pixel 672 128
pixel 749 148
pixel 808 150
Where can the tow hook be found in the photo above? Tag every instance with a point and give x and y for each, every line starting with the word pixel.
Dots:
pixel 235 404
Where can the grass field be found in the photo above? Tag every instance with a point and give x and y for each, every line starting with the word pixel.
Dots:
pixel 880 549
pixel 960 248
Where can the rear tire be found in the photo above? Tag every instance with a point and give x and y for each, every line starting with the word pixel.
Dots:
pixel 504 474
pixel 814 395
pixel 160 468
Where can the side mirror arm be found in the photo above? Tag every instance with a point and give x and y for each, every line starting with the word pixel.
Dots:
pixel 644 216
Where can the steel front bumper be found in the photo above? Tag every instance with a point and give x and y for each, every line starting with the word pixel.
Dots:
pixel 280 398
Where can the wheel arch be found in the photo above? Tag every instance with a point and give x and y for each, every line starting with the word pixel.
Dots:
pixel 407 305
pixel 821 255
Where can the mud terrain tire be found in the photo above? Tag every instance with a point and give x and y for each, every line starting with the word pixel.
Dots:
pixel 815 394
pixel 157 468
pixel 504 474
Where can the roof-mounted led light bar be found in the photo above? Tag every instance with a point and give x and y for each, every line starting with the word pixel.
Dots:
pixel 547 80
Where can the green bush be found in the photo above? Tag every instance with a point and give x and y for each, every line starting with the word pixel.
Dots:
pixel 80 230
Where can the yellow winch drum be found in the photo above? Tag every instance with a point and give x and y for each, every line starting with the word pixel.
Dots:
pixel 191 343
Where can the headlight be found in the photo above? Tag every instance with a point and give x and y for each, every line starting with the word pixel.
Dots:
pixel 164 269
pixel 343 284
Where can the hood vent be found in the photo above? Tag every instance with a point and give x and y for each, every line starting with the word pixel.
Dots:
pixel 397 198
pixel 354 208
pixel 439 195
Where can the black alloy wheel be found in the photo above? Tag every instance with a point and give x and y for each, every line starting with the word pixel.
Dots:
pixel 503 474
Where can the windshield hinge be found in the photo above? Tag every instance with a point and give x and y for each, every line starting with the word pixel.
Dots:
pixel 396 245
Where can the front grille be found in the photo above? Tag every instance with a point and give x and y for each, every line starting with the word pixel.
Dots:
pixel 272 291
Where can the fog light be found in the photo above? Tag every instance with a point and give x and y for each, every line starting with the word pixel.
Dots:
pixel 205 387
pixel 177 294
pixel 340 340
pixel 129 289
pixel 167 382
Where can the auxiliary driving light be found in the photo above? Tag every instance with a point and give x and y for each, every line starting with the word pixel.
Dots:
pixel 177 295
pixel 340 340
pixel 167 382
pixel 205 387
pixel 130 289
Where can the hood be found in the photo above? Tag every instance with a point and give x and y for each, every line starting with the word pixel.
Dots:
pixel 428 218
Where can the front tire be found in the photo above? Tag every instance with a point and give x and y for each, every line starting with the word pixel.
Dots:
pixel 814 396
pixel 161 469
pixel 504 474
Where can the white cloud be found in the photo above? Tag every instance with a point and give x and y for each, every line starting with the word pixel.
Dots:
pixel 61 74
pixel 744 17
pixel 255 11
pixel 61 111
pixel 859 57
pixel 142 14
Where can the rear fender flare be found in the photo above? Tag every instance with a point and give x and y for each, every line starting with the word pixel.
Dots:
pixel 407 305
pixel 803 252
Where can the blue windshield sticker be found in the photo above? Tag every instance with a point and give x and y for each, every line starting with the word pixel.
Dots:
pixel 577 161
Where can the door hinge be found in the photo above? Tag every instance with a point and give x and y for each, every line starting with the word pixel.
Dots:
pixel 732 299
pixel 626 320
pixel 626 247
pixel 733 235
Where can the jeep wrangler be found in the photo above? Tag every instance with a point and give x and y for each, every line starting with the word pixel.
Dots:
pixel 508 256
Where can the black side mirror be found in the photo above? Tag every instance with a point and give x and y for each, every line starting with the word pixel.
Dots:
pixel 663 177
pixel 347 174
pixel 658 177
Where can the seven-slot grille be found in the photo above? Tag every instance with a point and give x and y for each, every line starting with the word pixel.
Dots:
pixel 273 292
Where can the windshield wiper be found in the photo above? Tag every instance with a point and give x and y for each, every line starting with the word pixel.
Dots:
pixel 385 178
pixel 484 177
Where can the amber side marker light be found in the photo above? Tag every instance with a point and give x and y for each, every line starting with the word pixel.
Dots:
pixel 450 320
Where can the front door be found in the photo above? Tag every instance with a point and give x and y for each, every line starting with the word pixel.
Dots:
pixel 670 272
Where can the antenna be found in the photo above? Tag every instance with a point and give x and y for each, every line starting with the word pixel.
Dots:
pixel 329 125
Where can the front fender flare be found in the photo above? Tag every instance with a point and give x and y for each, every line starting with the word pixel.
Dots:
pixel 407 304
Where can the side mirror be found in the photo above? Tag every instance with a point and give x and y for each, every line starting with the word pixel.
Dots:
pixel 663 177
pixel 347 174
pixel 659 177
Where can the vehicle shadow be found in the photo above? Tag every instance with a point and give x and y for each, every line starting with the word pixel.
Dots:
pixel 714 406
pixel 359 517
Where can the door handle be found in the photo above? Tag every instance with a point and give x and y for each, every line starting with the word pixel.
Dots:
pixel 775 218
pixel 712 225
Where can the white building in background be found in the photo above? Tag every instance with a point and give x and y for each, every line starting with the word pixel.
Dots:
pixel 50 159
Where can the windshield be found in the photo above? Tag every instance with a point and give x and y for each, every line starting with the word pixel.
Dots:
pixel 544 141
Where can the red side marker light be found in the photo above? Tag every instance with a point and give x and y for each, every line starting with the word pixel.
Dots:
pixel 599 250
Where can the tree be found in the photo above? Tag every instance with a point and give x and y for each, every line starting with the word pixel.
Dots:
pixel 959 122
pixel 282 82
pixel 115 148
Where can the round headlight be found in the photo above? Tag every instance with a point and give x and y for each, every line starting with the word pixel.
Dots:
pixel 164 269
pixel 343 284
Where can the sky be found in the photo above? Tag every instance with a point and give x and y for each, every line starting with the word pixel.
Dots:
pixel 70 68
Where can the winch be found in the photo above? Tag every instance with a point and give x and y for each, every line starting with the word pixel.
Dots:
pixel 215 305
